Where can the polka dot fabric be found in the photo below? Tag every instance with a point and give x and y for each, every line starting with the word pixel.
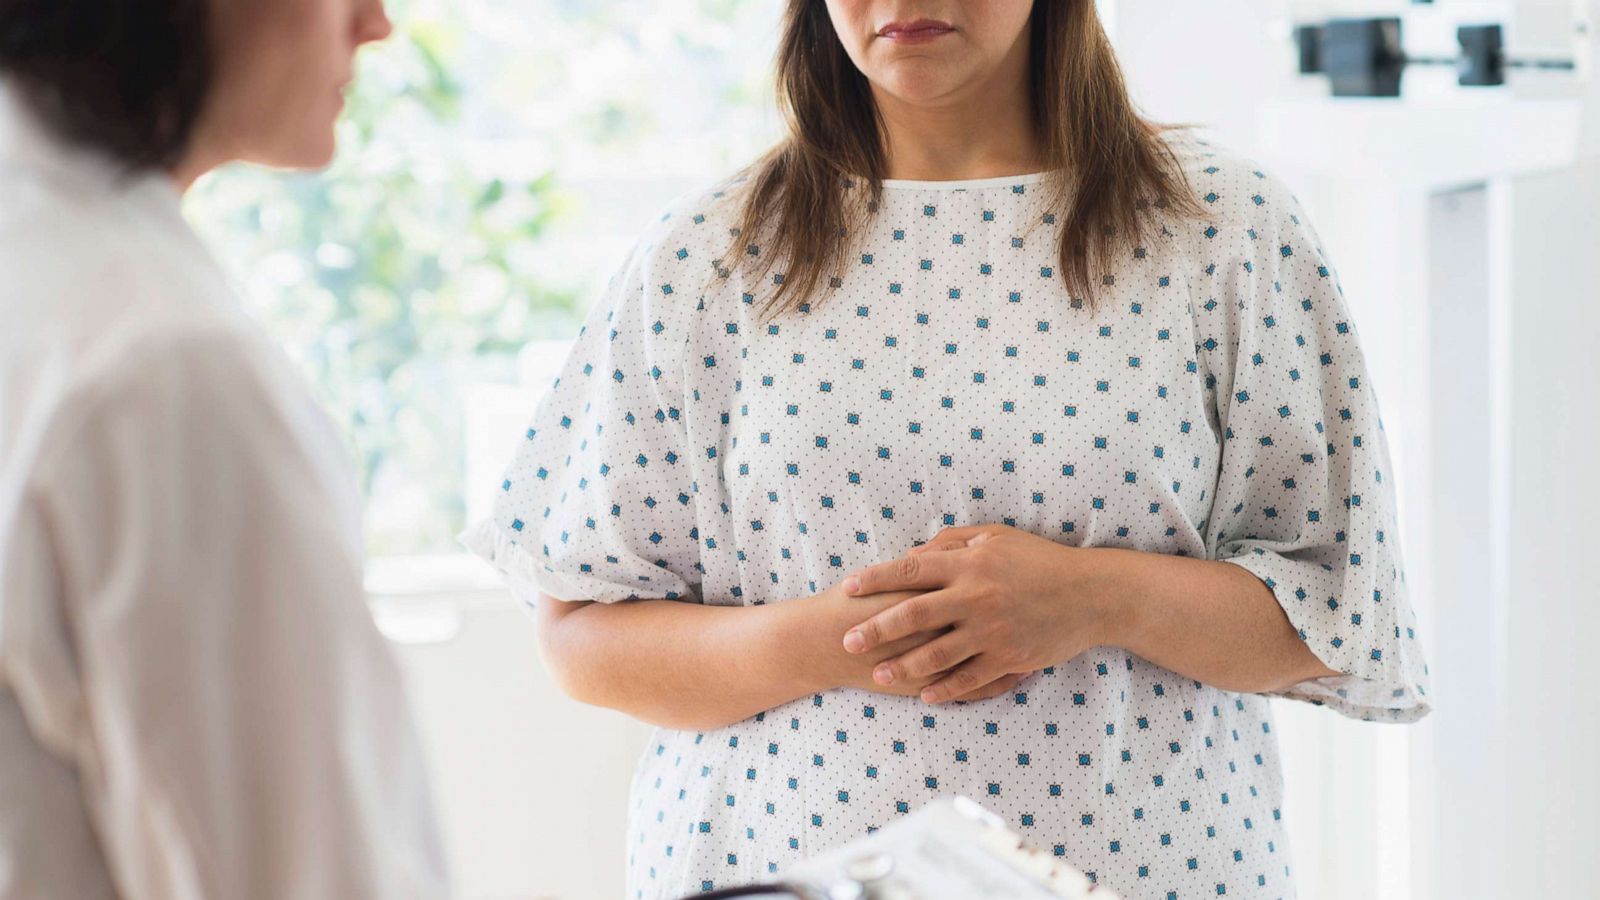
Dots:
pixel 1216 404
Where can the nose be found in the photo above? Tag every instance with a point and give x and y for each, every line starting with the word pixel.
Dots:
pixel 372 22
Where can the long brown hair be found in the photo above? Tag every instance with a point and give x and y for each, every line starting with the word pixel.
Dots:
pixel 804 199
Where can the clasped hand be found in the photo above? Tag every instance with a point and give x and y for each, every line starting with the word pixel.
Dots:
pixel 993 602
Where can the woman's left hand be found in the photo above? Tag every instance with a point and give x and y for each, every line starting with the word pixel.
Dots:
pixel 1017 602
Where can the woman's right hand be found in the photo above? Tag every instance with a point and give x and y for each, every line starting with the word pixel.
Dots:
pixel 831 613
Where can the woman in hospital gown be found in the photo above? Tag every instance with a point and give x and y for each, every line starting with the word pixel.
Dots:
pixel 1200 449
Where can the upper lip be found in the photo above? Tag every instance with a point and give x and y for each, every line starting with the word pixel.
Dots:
pixel 916 25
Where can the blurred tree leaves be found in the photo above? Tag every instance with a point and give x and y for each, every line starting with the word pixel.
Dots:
pixel 395 277
pixel 411 268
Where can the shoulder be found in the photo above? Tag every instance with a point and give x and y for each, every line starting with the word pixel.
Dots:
pixel 224 382
pixel 679 257
pixel 216 396
pixel 1233 189
pixel 701 220
pixel 88 273
pixel 113 311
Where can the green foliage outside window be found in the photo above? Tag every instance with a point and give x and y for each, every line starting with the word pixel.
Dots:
pixel 411 268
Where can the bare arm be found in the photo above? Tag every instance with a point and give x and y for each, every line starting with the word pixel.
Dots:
pixel 691 666
pixel 1212 621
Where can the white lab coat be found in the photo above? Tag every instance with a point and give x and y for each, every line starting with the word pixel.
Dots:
pixel 194 700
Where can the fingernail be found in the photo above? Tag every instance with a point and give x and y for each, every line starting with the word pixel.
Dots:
pixel 851 584
pixel 929 696
pixel 854 642
pixel 882 675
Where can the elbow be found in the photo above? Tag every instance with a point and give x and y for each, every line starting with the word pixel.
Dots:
pixel 572 647
pixel 561 662
pixel 686 719
pixel 571 664
pixel 563 667
pixel 1303 668
pixel 562 675
pixel 578 680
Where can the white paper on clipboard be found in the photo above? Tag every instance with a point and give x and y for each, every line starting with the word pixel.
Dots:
pixel 949 849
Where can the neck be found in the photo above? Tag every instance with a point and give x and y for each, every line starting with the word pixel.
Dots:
pixel 184 179
pixel 985 131
pixel 204 152
pixel 189 169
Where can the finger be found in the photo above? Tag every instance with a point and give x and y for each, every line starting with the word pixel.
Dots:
pixel 907 573
pixel 959 533
pixel 924 612
pixel 935 546
pixel 996 688
pixel 965 678
pixel 928 660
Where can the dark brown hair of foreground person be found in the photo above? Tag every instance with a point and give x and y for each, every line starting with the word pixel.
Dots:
pixel 127 77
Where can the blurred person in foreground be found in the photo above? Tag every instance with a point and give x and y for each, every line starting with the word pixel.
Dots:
pixel 194 700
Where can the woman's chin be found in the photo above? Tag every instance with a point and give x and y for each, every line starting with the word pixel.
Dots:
pixel 921 85
pixel 322 156
pixel 313 153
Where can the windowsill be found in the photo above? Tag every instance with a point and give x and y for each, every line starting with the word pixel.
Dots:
pixel 437 574
pixel 426 600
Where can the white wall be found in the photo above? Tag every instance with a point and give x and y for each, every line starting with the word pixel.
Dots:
pixel 531 786
pixel 1550 717
pixel 1478 302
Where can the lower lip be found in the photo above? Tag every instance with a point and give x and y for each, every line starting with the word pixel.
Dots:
pixel 917 36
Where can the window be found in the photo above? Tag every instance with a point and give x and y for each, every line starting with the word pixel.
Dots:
pixel 497 159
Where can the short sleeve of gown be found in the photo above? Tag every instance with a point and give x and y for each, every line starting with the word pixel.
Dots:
pixel 1305 497
pixel 598 501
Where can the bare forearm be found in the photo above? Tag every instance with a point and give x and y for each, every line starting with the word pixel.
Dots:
pixel 674 664
pixel 1207 620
